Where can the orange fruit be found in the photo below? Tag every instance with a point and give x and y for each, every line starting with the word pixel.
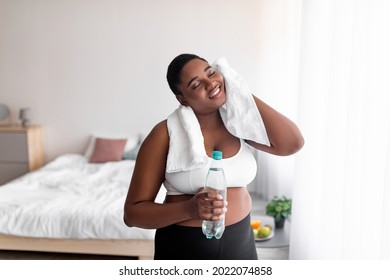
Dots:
pixel 256 224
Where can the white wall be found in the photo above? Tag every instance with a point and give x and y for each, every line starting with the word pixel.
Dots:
pixel 96 66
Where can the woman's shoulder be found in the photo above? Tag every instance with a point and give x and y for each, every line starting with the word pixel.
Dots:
pixel 159 134
pixel 161 129
pixel 156 144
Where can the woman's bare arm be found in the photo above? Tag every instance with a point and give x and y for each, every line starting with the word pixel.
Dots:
pixel 140 209
pixel 284 136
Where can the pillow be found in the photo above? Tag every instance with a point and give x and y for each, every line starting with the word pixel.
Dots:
pixel 130 143
pixel 107 150
pixel 131 154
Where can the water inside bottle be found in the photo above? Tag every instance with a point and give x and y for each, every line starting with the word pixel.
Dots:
pixel 214 228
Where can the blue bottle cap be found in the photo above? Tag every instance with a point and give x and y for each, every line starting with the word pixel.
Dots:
pixel 217 155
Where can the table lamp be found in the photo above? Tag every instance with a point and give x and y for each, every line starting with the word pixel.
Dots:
pixel 25 116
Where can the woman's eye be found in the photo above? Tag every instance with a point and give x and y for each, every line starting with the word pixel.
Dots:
pixel 195 85
pixel 211 73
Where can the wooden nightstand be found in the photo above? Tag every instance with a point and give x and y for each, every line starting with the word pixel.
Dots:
pixel 21 150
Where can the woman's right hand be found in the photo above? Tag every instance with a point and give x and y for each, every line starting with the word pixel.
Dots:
pixel 207 206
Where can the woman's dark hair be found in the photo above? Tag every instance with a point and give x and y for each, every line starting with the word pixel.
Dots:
pixel 175 67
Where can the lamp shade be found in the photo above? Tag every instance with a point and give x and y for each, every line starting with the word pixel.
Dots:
pixel 25 116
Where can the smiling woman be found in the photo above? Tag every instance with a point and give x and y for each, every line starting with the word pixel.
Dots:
pixel 204 84
pixel 202 91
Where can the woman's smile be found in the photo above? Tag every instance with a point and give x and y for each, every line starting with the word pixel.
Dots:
pixel 215 92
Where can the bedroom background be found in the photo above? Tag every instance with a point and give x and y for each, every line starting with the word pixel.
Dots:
pixel 97 67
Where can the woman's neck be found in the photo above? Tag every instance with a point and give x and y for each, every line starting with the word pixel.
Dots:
pixel 210 121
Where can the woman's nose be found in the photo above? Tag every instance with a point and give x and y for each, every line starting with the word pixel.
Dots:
pixel 209 84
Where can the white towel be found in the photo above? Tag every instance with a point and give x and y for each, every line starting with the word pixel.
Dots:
pixel 239 114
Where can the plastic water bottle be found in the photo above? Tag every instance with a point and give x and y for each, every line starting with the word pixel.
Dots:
pixel 216 183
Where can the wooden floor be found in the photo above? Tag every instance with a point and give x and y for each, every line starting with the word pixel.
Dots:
pixel 264 254
pixel 24 255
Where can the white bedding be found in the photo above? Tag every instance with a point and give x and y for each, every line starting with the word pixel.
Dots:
pixel 70 198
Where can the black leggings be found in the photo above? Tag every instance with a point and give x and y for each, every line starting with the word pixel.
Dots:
pixel 189 243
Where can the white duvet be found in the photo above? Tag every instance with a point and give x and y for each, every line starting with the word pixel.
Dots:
pixel 70 198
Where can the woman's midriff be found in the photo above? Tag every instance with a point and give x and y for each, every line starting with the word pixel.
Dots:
pixel 239 206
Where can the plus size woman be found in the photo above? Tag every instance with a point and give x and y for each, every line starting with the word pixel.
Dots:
pixel 178 220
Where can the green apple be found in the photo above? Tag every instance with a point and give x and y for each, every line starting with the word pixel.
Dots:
pixel 270 228
pixel 255 232
pixel 264 232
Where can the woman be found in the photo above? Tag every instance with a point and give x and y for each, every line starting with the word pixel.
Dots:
pixel 179 219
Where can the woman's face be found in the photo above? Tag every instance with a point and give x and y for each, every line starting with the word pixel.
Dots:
pixel 202 87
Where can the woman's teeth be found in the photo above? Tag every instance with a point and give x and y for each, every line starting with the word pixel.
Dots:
pixel 215 93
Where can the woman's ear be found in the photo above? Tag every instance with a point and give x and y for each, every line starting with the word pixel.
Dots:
pixel 181 99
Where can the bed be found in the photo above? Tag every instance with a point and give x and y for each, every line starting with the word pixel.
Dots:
pixel 72 205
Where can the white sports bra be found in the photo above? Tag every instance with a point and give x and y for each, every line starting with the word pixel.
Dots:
pixel 239 169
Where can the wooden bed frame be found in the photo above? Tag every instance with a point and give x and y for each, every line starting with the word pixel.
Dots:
pixel 142 249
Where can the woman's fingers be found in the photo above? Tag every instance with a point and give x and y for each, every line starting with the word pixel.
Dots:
pixel 211 206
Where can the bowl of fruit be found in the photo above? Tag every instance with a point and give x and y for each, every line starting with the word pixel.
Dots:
pixel 261 232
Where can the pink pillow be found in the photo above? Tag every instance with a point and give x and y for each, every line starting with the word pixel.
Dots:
pixel 107 150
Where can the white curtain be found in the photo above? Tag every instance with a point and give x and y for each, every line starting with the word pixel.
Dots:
pixel 342 191
pixel 341 178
